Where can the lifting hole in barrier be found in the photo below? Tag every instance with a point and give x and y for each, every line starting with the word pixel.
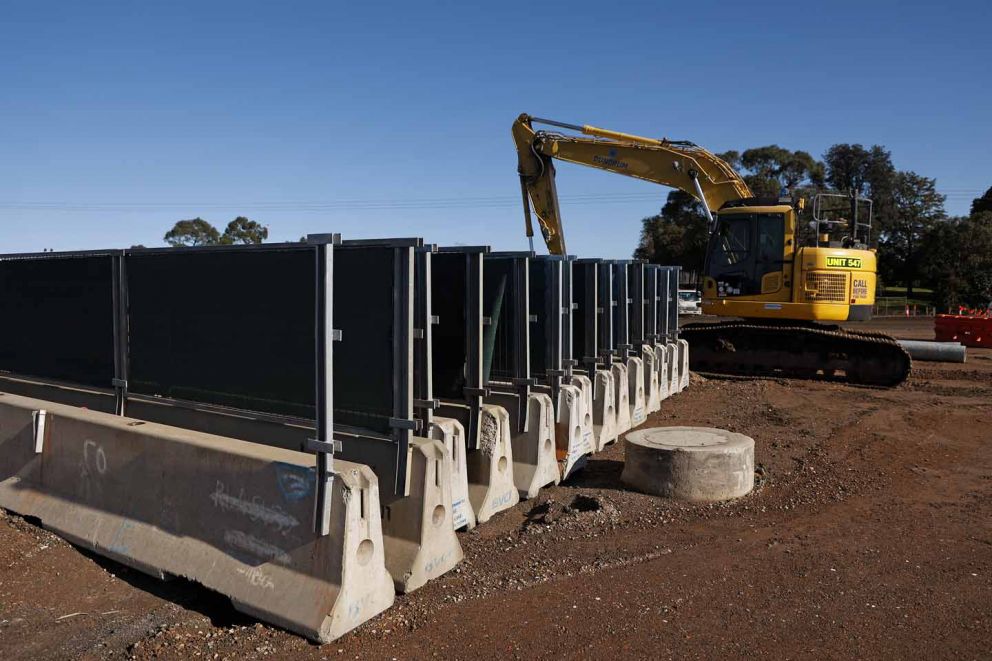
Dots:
pixel 364 552
pixel 502 464
pixel 437 517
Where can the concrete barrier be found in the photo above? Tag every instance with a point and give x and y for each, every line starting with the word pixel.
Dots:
pixel 452 434
pixel 604 412
pixel 683 362
pixel 234 516
pixel 586 390
pixel 664 382
pixel 651 381
pixel 635 391
pixel 573 430
pixel 621 395
pixel 490 468
pixel 417 530
pixel 534 462
pixel 672 359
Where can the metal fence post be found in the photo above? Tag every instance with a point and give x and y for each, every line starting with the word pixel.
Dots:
pixel 323 445
pixel 121 349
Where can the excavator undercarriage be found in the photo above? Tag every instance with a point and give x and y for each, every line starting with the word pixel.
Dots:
pixel 796 349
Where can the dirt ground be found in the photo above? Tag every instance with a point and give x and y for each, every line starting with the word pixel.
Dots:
pixel 869 534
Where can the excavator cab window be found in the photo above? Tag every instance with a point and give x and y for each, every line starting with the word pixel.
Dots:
pixel 733 244
pixel 744 248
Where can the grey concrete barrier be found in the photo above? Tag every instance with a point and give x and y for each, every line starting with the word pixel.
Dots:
pixel 604 413
pixel 672 358
pixel 664 381
pixel 636 395
pixel 452 434
pixel 534 462
pixel 417 529
pixel 943 352
pixel 573 429
pixel 683 364
pixel 621 395
pixel 651 379
pixel 234 516
pixel 586 390
pixel 490 468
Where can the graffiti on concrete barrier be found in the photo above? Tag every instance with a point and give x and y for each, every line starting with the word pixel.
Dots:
pixel 295 482
pixel 93 465
pixel 257 547
pixel 437 563
pixel 502 500
pixel 119 543
pixel 358 606
pixel 256 577
pixel 254 508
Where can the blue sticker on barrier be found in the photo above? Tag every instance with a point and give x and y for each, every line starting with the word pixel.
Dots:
pixel 295 482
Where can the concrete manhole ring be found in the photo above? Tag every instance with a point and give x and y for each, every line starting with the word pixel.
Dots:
pixel 689 463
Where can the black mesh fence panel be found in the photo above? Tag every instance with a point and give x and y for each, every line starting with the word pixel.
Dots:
pixel 58 318
pixel 449 337
pixel 233 328
pixel 363 359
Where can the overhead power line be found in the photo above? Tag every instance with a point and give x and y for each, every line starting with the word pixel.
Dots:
pixel 359 204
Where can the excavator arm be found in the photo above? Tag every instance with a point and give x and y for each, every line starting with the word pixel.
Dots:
pixel 676 164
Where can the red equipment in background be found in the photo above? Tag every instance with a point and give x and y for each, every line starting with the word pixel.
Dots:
pixel 972 328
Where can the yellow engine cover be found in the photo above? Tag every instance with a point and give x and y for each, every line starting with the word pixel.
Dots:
pixel 824 284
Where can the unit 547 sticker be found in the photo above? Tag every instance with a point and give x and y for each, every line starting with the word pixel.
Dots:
pixel 844 262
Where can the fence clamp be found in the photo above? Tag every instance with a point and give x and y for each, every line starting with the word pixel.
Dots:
pixel 329 447
pixel 402 423
pixel 39 420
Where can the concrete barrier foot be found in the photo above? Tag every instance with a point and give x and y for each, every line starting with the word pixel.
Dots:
pixel 573 429
pixel 636 395
pixel 604 414
pixel 621 397
pixel 534 462
pixel 490 468
pixel 683 360
pixel 451 433
pixel 418 532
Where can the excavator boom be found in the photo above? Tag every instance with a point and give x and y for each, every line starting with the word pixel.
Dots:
pixel 677 164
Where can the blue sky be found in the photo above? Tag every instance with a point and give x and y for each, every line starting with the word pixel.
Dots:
pixel 393 119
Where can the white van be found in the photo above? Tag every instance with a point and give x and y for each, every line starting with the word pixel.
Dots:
pixel 689 301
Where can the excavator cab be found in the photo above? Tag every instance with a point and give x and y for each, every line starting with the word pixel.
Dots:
pixel 747 248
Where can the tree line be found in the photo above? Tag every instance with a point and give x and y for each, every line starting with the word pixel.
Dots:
pixel 199 232
pixel 919 245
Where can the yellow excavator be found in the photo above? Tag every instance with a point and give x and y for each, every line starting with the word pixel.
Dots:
pixel 777 291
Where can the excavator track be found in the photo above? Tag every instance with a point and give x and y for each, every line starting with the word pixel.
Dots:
pixel 797 350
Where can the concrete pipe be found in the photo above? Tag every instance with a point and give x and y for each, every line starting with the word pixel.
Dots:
pixel 943 352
